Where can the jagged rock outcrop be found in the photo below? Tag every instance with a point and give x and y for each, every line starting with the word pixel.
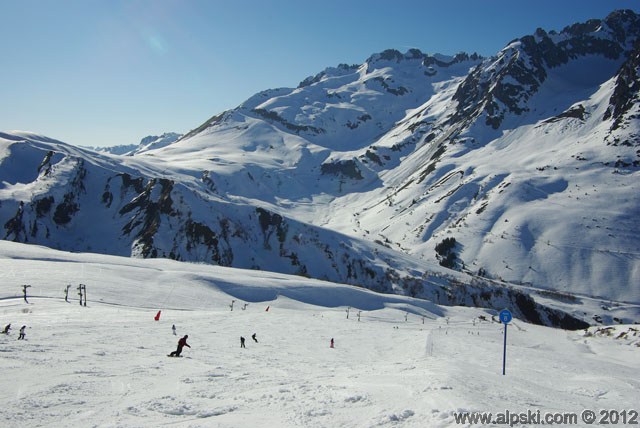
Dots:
pixel 504 84
pixel 627 91
pixel 528 159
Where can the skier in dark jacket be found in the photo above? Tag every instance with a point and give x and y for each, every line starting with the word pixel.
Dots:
pixel 6 329
pixel 181 344
pixel 253 336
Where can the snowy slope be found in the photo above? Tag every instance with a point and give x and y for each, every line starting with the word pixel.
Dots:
pixel 545 202
pixel 528 159
pixel 149 142
pixel 405 363
pixel 518 157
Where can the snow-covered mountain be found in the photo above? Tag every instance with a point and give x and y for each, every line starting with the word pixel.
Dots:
pixel 149 142
pixel 518 172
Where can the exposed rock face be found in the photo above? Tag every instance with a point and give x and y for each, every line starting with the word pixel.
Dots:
pixel 627 91
pixel 357 174
pixel 504 84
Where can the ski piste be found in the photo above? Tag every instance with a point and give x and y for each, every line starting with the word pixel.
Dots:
pixel 407 363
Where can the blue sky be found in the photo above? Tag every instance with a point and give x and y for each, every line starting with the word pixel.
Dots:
pixel 106 72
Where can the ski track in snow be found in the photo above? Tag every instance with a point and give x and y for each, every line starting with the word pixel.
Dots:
pixel 100 366
pixel 105 365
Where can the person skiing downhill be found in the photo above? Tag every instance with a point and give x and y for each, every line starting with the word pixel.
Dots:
pixel 6 329
pixel 21 335
pixel 253 336
pixel 181 344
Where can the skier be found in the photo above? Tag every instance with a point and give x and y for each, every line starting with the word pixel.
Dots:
pixel 181 344
pixel 21 335
pixel 331 343
pixel 173 328
pixel 242 342
pixel 6 329
pixel 157 317
pixel 253 336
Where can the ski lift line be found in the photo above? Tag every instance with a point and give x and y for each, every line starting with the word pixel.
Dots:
pixel 94 302
pixel 103 302
pixel 411 326
pixel 12 297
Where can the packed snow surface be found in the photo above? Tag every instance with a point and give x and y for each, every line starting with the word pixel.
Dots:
pixel 397 362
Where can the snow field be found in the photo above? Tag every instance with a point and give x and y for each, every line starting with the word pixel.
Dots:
pixel 105 365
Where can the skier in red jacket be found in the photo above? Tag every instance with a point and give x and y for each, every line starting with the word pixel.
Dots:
pixel 181 344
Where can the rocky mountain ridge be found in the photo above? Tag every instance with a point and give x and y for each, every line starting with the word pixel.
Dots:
pixel 149 142
pixel 525 164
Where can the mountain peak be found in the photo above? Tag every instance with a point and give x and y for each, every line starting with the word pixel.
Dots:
pixel 503 84
pixel 395 56
pixel 527 158
pixel 340 70
pixel 147 143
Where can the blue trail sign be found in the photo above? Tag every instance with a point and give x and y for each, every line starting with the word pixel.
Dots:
pixel 505 318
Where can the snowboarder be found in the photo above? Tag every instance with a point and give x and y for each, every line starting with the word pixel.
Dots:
pixel 21 335
pixel 242 342
pixel 181 344
pixel 253 336
pixel 6 329
pixel 331 343
pixel 173 328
